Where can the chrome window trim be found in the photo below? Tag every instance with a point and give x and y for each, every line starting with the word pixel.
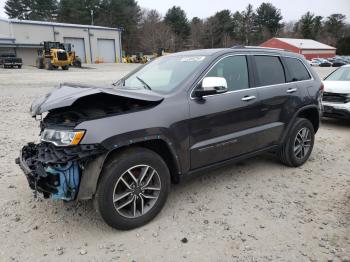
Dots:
pixel 251 88
pixel 311 75
pixel 222 58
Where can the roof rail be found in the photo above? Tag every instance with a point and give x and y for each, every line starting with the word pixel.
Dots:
pixel 257 47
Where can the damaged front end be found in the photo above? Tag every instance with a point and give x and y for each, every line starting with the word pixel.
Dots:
pixel 53 171
pixel 65 164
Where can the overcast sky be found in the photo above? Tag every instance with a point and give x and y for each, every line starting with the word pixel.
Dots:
pixel 291 9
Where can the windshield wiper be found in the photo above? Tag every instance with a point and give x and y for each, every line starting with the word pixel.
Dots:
pixel 144 83
pixel 120 82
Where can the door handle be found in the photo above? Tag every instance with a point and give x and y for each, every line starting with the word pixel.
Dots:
pixel 292 90
pixel 248 98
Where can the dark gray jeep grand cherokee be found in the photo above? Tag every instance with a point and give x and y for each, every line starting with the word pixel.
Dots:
pixel 180 114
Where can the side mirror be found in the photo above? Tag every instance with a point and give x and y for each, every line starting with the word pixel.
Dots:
pixel 211 86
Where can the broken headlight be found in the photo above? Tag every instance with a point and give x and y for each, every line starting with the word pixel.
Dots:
pixel 62 137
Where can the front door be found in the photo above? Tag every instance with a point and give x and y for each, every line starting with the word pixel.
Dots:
pixel 222 126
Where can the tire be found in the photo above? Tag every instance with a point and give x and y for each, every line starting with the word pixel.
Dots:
pixel 136 161
pixel 48 64
pixel 19 67
pixel 65 67
pixel 39 63
pixel 290 153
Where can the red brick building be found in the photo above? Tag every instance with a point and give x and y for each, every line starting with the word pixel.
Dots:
pixel 307 47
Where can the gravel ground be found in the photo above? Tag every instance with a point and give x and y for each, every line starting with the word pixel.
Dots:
pixel 257 210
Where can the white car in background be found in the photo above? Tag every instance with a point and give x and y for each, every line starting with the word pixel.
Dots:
pixel 314 62
pixel 336 96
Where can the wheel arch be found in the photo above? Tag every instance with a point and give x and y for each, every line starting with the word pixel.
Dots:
pixel 310 112
pixel 92 171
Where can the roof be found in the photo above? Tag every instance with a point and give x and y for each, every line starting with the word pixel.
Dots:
pixel 202 52
pixel 236 49
pixel 43 23
pixel 306 43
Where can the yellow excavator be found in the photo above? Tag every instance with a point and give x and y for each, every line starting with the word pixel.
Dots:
pixel 52 56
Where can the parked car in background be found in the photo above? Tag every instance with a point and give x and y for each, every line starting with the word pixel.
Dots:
pixel 10 61
pixel 313 62
pixel 338 63
pixel 325 63
pixel 336 96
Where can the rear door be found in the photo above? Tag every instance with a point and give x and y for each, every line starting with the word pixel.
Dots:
pixel 223 126
pixel 278 97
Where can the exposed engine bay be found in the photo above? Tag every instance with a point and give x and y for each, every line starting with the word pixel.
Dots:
pixel 55 169
pixel 56 172
pixel 94 107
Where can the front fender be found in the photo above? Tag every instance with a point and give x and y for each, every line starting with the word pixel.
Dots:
pixel 92 170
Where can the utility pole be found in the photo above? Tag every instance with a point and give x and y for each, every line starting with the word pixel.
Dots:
pixel 92 17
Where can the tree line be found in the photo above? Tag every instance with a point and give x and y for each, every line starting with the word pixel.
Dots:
pixel 147 30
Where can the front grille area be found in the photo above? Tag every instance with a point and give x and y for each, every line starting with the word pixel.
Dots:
pixel 335 98
pixel 62 56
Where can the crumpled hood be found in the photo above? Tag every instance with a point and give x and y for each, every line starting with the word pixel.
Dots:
pixel 66 94
pixel 340 87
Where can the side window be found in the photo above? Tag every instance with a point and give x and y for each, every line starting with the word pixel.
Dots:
pixel 297 70
pixel 234 69
pixel 270 70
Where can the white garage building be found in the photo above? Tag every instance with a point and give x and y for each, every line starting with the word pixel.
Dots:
pixel 93 44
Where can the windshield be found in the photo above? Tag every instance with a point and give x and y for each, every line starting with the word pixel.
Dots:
pixel 342 74
pixel 164 74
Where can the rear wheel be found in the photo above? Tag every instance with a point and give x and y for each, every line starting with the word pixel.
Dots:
pixel 298 146
pixel 66 67
pixel 133 188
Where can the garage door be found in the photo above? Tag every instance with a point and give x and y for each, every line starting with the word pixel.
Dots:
pixel 28 55
pixel 78 45
pixel 106 50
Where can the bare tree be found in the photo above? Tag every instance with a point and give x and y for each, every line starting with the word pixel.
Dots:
pixel 153 32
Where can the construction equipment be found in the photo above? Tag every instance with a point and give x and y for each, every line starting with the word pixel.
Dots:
pixel 52 56
pixel 140 58
pixel 74 59
pixel 137 58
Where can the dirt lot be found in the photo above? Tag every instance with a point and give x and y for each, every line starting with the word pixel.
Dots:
pixel 257 210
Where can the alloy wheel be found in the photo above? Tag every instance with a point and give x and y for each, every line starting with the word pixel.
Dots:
pixel 136 191
pixel 302 143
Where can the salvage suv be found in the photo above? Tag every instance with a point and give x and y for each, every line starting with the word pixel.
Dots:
pixel 122 145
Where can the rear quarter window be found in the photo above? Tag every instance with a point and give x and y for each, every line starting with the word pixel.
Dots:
pixel 297 70
pixel 270 70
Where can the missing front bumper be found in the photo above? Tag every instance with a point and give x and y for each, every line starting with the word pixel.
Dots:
pixel 55 172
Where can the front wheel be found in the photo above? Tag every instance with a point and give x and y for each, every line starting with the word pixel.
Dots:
pixel 133 189
pixel 299 144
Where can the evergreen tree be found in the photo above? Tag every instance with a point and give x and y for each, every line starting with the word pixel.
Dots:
pixel 41 10
pixel 15 9
pixel 268 21
pixel 125 14
pixel 78 11
pixel 177 20
pixel 335 25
